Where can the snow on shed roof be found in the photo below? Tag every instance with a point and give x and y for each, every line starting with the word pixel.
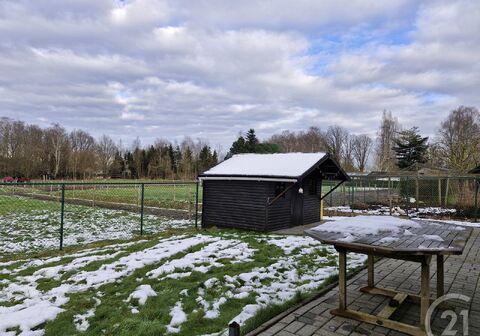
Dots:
pixel 291 165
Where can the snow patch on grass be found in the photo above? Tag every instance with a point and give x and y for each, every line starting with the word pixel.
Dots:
pixel 178 318
pixel 81 320
pixel 141 294
pixel 37 307
pixel 35 225
pixel 206 259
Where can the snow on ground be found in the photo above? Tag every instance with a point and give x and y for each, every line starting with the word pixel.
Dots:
pixel 39 307
pixel 289 243
pixel 35 226
pixel 384 210
pixel 285 277
pixel 421 214
pixel 454 222
pixel 141 294
pixel 301 264
pixel 205 259
pixel 81 320
pixel 290 264
pixel 178 317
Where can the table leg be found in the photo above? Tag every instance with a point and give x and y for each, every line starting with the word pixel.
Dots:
pixel 425 291
pixel 440 274
pixel 371 278
pixel 342 279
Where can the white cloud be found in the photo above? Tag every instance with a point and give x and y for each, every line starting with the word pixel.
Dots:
pixel 132 116
pixel 213 68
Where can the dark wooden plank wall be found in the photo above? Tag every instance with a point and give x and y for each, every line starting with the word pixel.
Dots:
pixel 311 203
pixel 242 204
pixel 280 211
pixel 235 204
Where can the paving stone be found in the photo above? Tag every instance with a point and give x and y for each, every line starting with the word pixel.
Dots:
pixel 462 275
pixel 307 330
pixel 294 326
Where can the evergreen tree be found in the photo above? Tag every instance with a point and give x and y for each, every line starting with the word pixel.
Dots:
pixel 266 147
pixel 177 159
pixel 204 158
pixel 251 142
pixel 130 169
pixel 186 163
pixel 214 158
pixel 411 148
pixel 238 146
pixel 171 157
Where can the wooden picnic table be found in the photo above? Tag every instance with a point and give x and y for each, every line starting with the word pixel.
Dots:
pixel 417 242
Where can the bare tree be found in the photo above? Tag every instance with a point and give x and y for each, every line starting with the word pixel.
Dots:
pixel 82 157
pixel 459 139
pixel 385 159
pixel 286 141
pixel 58 147
pixel 311 141
pixel 336 139
pixel 362 146
pixel 106 150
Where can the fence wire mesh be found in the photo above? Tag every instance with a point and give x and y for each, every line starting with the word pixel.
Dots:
pixel 36 216
pixel 410 195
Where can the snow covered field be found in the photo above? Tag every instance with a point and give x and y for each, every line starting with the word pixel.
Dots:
pixel 191 284
pixel 28 225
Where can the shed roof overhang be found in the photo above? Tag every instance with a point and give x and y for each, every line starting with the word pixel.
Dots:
pixel 475 170
pixel 326 167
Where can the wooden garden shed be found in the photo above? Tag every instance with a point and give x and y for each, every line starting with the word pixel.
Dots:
pixel 267 191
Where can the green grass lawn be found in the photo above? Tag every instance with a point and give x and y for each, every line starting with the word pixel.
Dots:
pixel 28 224
pixel 174 196
pixel 189 284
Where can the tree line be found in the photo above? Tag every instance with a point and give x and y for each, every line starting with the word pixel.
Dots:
pixel 34 152
pixel 51 153
pixel 454 148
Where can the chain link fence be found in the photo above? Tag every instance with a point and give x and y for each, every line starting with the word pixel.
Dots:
pixel 35 216
pixel 409 195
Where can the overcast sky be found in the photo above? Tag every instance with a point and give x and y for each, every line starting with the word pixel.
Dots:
pixel 211 68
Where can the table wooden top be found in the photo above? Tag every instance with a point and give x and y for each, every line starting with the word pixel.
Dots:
pixel 422 239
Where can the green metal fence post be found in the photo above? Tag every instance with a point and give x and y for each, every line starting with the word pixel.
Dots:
pixel 142 198
pixel 353 196
pixel 196 204
pixel 62 212
pixel 390 194
pixel 476 199
pixel 408 195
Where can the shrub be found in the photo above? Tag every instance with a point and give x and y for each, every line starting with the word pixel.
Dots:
pixel 359 206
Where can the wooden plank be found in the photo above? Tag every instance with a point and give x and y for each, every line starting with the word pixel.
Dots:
pixel 389 309
pixel 371 271
pixel 379 291
pixel 380 321
pixel 342 279
pixel 440 276
pixel 414 298
pixel 424 291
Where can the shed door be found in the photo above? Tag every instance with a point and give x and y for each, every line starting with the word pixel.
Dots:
pixel 297 208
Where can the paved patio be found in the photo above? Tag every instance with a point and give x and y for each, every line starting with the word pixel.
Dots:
pixel 462 276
